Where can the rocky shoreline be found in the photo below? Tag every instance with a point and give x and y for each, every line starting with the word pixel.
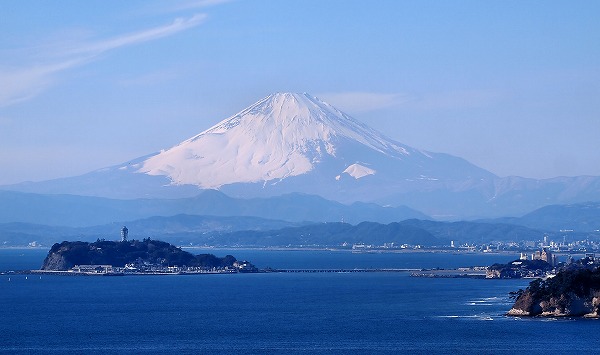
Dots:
pixel 571 293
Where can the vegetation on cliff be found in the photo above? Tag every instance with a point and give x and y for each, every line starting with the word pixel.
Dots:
pixel 65 255
pixel 572 292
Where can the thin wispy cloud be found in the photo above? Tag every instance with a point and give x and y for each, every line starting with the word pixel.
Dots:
pixel 183 6
pixel 198 4
pixel 178 25
pixel 18 84
pixel 21 84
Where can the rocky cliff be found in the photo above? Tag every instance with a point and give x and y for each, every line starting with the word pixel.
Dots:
pixel 571 293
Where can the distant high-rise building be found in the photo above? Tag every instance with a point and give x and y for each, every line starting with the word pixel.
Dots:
pixel 124 233
pixel 523 256
pixel 545 255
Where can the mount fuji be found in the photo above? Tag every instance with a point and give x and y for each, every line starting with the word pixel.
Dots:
pixel 290 143
pixel 295 142
pixel 283 135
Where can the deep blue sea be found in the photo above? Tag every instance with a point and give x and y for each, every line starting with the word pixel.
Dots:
pixel 331 313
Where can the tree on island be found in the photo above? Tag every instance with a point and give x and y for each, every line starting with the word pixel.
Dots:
pixel 65 255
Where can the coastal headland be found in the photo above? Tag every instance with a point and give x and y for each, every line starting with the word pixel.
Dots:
pixel 571 292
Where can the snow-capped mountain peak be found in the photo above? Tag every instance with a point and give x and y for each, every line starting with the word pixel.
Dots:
pixel 307 116
pixel 282 135
pixel 295 143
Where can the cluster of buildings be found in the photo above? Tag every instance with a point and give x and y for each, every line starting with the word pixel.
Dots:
pixel 141 267
pixel 533 249
pixel 590 244
pixel 363 246
pixel 544 254
pixel 542 263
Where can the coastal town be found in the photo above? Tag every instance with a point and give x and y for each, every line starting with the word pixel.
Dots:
pixel 150 257
pixel 141 267
pixel 574 246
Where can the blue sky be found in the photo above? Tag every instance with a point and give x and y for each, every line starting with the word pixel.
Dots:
pixel 512 86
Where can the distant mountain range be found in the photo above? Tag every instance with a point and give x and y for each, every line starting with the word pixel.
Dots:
pixel 295 143
pixel 581 217
pixel 180 229
pixel 79 211
pixel 293 170
pixel 253 231
pixel 336 234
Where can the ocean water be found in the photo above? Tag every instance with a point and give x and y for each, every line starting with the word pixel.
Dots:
pixel 331 313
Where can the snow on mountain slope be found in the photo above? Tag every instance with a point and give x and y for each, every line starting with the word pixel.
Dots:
pixel 295 143
pixel 357 171
pixel 280 136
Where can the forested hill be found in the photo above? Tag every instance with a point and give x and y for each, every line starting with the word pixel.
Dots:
pixel 572 292
pixel 65 255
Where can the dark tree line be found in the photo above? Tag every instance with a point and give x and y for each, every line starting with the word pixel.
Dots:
pixel 104 252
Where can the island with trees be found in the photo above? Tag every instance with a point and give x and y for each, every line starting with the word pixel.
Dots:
pixel 135 257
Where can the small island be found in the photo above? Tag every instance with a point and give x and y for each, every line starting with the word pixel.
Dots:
pixel 135 257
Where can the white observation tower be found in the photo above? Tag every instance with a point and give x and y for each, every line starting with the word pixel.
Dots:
pixel 124 233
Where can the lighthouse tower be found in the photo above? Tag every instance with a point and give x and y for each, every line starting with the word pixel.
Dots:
pixel 124 233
